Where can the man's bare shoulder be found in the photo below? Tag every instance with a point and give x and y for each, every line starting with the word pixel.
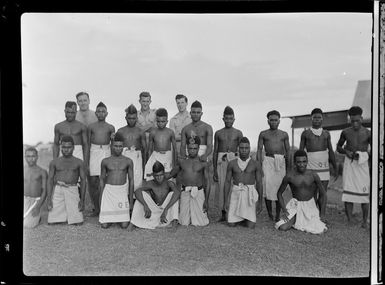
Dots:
pixel 42 171
pixel 283 133
pixel 61 124
pixel 206 125
pixel 264 133
pixel 80 124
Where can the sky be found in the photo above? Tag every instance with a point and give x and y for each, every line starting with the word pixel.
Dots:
pixel 291 62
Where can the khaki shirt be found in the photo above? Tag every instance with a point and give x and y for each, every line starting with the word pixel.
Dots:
pixel 88 117
pixel 144 122
pixel 178 122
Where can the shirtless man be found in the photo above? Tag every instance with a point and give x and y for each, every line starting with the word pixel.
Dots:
pixel 356 176
pixel 74 128
pixel 116 192
pixel 195 194
pixel 146 116
pixel 226 142
pixel 275 162
pixel 134 144
pixel 243 199
pixel 63 201
pixel 99 134
pixel 301 211
pixel 35 188
pixel 85 115
pixel 319 148
pixel 157 202
pixel 180 120
pixel 159 149
pixel 197 128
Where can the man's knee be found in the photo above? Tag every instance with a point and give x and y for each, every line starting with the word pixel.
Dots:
pixel 285 227
pixel 124 225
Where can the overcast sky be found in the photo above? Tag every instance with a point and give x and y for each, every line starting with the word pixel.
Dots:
pixel 252 62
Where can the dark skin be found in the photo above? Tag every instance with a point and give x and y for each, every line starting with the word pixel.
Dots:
pixel 161 138
pixel 67 169
pixel 250 176
pixel 192 172
pixel 303 183
pixel 313 143
pixel 73 128
pixel 114 171
pixel 35 181
pixel 197 128
pixel 99 133
pixel 225 140
pixel 134 136
pixel 158 189
pixel 353 139
pixel 274 141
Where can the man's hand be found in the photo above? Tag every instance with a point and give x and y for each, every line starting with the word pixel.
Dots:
pixel 81 206
pixel 147 212
pixel 349 153
pixel 163 219
pixel 35 211
pixel 215 176
pixel 49 204
pixel 258 209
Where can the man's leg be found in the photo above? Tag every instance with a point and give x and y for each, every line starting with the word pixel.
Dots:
pixel 94 193
pixel 365 212
pixel 349 212
pixel 325 184
pixel 277 211
pixel 124 225
pixel 287 226
pixel 269 208
pixel 131 227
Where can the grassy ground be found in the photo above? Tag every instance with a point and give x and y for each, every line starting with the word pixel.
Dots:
pixel 217 249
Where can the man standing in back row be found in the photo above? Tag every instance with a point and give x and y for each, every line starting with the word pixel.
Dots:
pixel 146 116
pixel 355 176
pixel 226 142
pixel 319 149
pixel 275 162
pixel 180 120
pixel 85 115
pixel 197 128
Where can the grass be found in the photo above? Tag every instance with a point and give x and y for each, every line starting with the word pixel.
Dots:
pixel 89 250
pixel 217 249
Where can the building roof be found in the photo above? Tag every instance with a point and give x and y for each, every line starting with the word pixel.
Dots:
pixel 339 120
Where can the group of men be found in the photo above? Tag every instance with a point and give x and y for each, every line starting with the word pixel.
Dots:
pixel 147 175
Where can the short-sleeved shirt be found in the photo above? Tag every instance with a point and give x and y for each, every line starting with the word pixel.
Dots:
pixel 146 121
pixel 87 117
pixel 178 122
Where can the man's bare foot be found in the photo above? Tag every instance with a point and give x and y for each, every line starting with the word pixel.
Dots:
pixel 271 217
pixel 78 224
